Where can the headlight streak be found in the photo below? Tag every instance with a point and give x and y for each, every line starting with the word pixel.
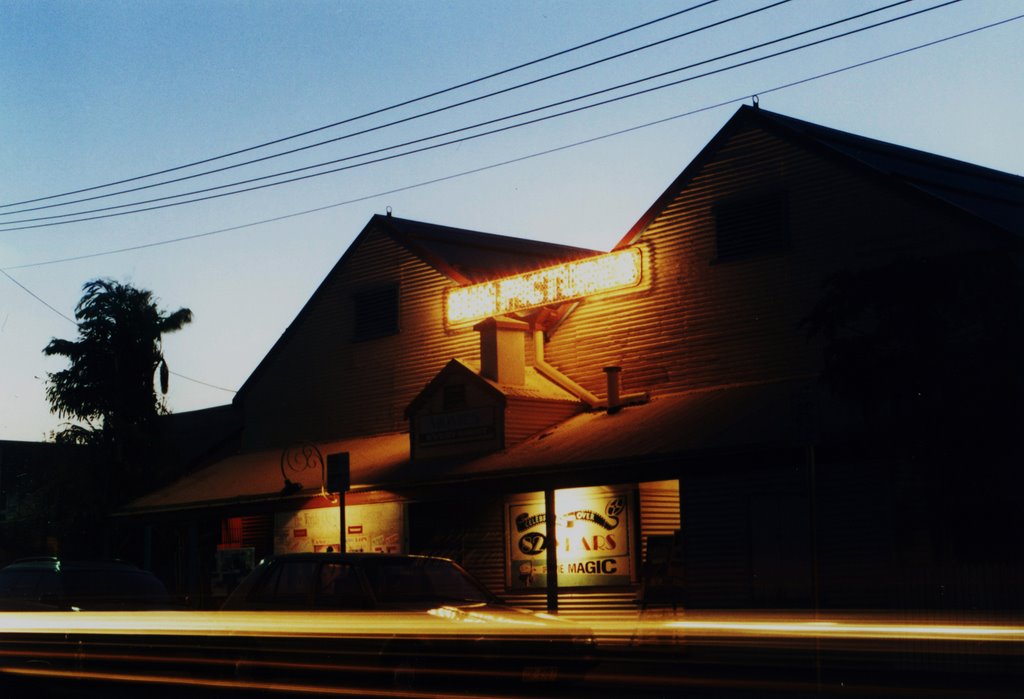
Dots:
pixel 330 690
pixel 354 653
pixel 832 629
pixel 438 623
pixel 475 617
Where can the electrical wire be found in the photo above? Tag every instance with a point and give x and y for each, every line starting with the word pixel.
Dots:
pixel 374 112
pixel 396 122
pixel 478 135
pixel 72 320
pixel 512 161
pixel 33 295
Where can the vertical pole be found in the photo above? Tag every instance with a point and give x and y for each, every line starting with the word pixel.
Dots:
pixel 341 521
pixel 192 569
pixel 551 549
pixel 812 467
pixel 147 547
pixel 338 479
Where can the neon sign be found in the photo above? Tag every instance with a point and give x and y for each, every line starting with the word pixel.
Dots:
pixel 565 282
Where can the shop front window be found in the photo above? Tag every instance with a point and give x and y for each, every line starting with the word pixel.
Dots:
pixel 592 539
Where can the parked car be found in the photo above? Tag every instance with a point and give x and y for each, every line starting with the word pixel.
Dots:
pixel 443 625
pixel 54 584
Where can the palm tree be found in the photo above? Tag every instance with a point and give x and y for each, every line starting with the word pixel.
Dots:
pixel 109 385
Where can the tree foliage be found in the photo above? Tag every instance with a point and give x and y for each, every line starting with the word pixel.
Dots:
pixel 109 385
pixel 930 350
pixel 931 345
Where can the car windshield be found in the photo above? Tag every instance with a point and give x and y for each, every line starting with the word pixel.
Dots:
pixel 113 585
pixel 396 581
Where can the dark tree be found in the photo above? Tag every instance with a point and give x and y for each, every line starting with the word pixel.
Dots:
pixel 930 351
pixel 109 386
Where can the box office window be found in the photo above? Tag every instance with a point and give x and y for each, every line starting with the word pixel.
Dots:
pixel 752 226
pixel 375 313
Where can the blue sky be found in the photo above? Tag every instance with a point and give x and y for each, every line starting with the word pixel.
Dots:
pixel 94 92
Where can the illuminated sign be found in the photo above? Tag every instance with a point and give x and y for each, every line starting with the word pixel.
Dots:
pixel 592 539
pixel 551 285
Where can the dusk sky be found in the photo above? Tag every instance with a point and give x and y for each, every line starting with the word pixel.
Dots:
pixel 98 92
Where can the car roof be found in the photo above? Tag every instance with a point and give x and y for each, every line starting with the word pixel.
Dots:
pixel 51 563
pixel 337 555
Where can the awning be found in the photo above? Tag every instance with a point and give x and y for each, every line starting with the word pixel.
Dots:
pixel 260 476
pixel 675 427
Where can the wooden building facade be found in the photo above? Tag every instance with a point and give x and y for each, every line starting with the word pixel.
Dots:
pixel 683 408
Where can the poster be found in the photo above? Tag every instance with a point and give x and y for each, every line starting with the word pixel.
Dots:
pixel 376 528
pixel 591 535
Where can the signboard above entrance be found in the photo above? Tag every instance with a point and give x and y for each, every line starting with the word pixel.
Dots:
pixel 544 287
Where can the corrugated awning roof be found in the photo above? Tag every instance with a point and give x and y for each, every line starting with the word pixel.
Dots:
pixel 699 422
pixel 257 476
pixel 676 425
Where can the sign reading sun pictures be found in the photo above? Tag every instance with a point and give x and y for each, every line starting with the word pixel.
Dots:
pixel 565 282
pixel 591 535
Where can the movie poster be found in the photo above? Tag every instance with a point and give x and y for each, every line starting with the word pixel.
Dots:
pixel 592 536
pixel 376 528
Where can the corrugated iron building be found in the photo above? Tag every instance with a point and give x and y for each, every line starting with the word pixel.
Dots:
pixel 684 409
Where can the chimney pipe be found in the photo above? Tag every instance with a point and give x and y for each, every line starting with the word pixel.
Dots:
pixel 502 350
pixel 614 402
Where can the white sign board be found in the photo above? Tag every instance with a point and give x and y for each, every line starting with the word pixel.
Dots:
pixel 376 528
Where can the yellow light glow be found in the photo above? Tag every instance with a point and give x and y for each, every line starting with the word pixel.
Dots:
pixel 565 282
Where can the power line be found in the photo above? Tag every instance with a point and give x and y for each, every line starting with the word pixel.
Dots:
pixel 478 125
pixel 374 112
pixel 519 159
pixel 389 124
pixel 73 321
pixel 203 383
pixel 33 295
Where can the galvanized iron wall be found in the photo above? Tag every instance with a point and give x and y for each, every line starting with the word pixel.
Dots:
pixel 708 322
pixel 318 384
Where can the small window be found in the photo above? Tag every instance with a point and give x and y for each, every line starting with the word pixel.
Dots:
pixel 454 397
pixel 375 313
pixel 752 226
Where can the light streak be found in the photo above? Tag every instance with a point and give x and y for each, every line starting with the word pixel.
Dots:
pixel 358 624
pixel 328 690
pixel 544 287
pixel 832 629
pixel 439 623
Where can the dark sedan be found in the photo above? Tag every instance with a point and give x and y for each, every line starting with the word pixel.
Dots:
pixel 451 627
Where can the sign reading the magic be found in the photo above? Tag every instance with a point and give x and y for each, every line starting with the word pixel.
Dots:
pixel 544 287
pixel 591 536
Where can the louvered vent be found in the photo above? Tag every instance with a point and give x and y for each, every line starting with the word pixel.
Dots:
pixel 752 226
pixel 375 313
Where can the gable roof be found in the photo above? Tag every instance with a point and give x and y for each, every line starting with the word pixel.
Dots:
pixel 463 255
pixel 535 386
pixel 990 196
pixel 469 257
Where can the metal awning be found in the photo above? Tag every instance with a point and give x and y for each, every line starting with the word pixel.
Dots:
pixel 779 414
